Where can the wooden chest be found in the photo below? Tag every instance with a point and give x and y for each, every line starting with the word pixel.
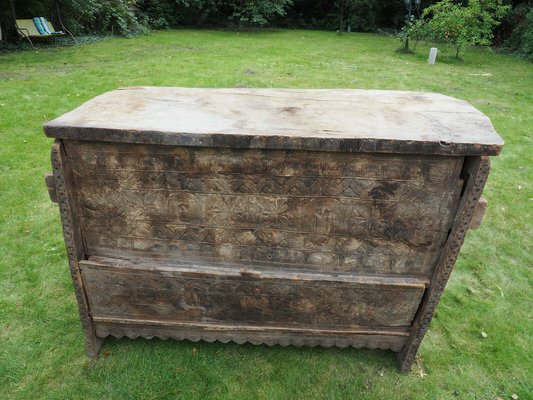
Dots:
pixel 292 217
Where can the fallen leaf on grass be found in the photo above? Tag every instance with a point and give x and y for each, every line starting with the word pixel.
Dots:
pixel 106 352
pixel 419 368
pixel 484 335
pixel 194 351
pixel 514 396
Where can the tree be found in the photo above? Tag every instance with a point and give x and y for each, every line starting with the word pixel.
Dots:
pixel 457 25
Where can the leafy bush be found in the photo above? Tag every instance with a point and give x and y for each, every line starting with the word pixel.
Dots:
pixel 459 26
pixel 94 16
pixel 176 13
pixel 253 12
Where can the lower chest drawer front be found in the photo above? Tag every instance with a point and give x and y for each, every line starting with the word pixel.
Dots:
pixel 202 297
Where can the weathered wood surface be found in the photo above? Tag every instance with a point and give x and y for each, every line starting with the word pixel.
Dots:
pixel 268 216
pixel 479 213
pixel 385 214
pixel 63 191
pixel 51 186
pixel 266 297
pixel 252 334
pixel 475 174
pixel 325 120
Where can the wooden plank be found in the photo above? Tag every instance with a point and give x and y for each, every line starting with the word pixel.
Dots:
pixel 387 214
pixel 374 330
pixel 266 297
pixel 251 270
pixel 325 120
pixel 237 334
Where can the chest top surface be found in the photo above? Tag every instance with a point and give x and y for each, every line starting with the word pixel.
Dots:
pixel 293 119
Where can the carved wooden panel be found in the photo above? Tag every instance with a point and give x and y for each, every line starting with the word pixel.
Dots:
pixel 252 334
pixel 267 297
pixel 305 217
pixel 325 211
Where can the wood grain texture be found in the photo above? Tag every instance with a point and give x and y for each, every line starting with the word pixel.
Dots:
pixel 304 217
pixel 324 120
pixel 475 173
pixel 394 340
pixel 385 214
pixel 200 293
pixel 73 243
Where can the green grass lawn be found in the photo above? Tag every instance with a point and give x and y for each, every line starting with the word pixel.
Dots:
pixel 491 290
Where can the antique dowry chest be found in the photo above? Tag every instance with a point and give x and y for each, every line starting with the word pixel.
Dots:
pixel 275 216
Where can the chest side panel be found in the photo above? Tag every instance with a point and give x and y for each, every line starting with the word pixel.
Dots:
pixel 356 213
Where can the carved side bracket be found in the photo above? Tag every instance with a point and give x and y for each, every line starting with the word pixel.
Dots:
pixel 477 169
pixel 51 186
pixel 479 213
pixel 74 245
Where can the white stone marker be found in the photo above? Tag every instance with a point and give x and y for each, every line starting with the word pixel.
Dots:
pixel 432 56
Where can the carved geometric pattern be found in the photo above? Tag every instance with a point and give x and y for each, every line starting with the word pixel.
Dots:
pixel 203 296
pixel 346 212
pixel 341 253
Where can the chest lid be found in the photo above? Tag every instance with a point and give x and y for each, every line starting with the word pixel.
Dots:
pixel 291 119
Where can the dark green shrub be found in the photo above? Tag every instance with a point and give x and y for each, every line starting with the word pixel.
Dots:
pixel 359 15
pixel 94 16
pixel 520 39
pixel 256 13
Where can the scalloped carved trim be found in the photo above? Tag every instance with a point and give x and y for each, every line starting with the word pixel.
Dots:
pixel 134 331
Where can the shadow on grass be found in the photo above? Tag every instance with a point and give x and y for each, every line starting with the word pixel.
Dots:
pixel 129 349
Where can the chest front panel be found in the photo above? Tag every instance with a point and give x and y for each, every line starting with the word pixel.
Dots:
pixel 330 212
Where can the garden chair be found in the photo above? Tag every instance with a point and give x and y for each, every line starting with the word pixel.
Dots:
pixel 36 27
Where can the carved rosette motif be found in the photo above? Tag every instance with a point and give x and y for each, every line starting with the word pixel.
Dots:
pixel 229 215
pixel 358 214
